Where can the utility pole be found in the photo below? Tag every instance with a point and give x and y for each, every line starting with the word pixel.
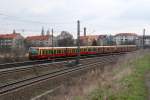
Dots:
pixel 52 38
pixel 78 42
pixel 84 31
pixel 52 43
pixel 144 38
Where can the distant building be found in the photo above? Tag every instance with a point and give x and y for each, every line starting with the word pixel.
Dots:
pixel 102 40
pixel 125 38
pixel 139 41
pixel 14 40
pixel 88 39
pixel 147 41
pixel 40 41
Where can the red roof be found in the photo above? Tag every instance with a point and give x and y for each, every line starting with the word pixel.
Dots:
pixel 126 34
pixel 9 36
pixel 39 38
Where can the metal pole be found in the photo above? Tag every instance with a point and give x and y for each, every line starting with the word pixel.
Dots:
pixel 52 44
pixel 143 38
pixel 78 42
pixel 84 31
pixel 52 38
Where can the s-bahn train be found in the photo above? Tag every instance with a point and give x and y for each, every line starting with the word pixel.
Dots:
pixel 37 53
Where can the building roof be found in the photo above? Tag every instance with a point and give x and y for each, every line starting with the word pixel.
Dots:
pixel 9 36
pixel 37 38
pixel 126 34
pixel 89 37
pixel 102 36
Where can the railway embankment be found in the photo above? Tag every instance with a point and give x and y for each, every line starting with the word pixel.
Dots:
pixel 124 80
pixel 9 58
pixel 128 83
pixel 34 86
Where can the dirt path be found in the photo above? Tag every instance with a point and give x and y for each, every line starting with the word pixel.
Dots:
pixel 147 81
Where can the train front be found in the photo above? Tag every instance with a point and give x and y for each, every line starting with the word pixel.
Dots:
pixel 33 53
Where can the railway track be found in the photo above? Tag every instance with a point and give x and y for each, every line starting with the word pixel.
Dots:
pixel 7 88
pixel 43 69
pixel 47 61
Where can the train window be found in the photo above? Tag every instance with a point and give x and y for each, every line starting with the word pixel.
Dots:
pixel 42 52
pixel 54 51
pixel 60 51
pixel 91 49
pixel 70 50
pixel 86 49
pixel 82 49
pixel 74 50
pixel 67 50
pixel 46 51
pixel 50 51
pixel 57 51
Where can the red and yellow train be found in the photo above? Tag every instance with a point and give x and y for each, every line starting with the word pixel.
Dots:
pixel 36 53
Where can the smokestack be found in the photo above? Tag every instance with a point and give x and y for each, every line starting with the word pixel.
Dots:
pixel 84 31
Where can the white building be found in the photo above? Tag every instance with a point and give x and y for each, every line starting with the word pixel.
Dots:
pixel 147 40
pixel 125 38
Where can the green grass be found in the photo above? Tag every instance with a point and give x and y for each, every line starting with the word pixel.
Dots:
pixel 132 85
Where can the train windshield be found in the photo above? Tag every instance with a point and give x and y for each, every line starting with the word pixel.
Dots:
pixel 33 51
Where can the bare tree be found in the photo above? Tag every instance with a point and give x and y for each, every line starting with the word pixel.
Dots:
pixel 94 43
pixel 65 39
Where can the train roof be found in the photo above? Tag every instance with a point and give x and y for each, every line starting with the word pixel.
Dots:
pixel 81 47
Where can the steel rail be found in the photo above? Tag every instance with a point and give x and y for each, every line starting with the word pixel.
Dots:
pixel 35 62
pixel 23 83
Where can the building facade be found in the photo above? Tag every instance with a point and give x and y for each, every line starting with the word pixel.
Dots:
pixel 125 38
pixel 88 39
pixel 40 41
pixel 146 40
pixel 9 41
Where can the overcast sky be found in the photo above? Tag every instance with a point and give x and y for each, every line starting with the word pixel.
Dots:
pixel 99 16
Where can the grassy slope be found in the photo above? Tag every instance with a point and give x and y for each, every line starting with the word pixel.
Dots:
pixel 131 87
